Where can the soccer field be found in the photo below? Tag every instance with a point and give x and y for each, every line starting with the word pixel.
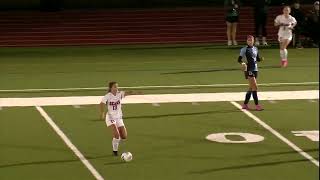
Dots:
pixel 167 137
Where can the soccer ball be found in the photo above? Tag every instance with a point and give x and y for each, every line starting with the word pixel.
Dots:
pixel 126 156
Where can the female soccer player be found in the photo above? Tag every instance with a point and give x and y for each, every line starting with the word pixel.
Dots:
pixel 286 23
pixel 250 69
pixel 113 116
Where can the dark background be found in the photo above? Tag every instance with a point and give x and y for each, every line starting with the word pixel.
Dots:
pixel 97 4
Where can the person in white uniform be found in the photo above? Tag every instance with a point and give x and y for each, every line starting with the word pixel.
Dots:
pixel 286 23
pixel 113 116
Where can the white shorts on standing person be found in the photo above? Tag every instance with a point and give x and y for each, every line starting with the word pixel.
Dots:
pixel 286 24
pixel 113 117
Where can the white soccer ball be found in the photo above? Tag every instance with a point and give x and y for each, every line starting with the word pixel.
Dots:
pixel 126 156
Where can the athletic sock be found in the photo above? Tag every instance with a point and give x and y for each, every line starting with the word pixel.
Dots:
pixel 255 97
pixel 285 54
pixel 248 96
pixel 115 144
pixel 282 56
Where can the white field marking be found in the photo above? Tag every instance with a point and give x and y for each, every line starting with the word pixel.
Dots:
pixel 272 101
pixel 159 98
pixel 312 135
pixel 68 142
pixel 312 100
pixel 277 134
pixel 195 103
pixel 156 104
pixel 154 87
pixel 76 106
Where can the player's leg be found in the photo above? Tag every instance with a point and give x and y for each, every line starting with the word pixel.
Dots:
pixel 285 43
pixel 234 33
pixel 257 23
pixel 229 29
pixel 264 29
pixel 254 87
pixel 282 52
pixel 116 138
pixel 248 94
pixel 123 132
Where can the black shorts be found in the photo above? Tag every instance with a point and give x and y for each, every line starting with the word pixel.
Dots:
pixel 251 74
pixel 232 19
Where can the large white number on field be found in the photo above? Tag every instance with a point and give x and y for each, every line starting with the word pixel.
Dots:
pixel 246 137
pixel 312 135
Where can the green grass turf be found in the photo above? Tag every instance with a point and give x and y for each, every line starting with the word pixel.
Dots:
pixel 22 68
pixel 297 115
pixel 31 150
pixel 168 142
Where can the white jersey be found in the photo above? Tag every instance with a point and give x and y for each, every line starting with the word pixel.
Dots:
pixel 113 103
pixel 285 31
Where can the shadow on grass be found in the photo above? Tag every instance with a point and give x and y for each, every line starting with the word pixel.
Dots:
pixel 284 152
pixel 217 70
pixel 177 114
pixel 31 163
pixel 115 163
pixel 33 147
pixel 245 166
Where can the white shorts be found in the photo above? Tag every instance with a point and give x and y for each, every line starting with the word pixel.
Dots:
pixel 282 36
pixel 116 121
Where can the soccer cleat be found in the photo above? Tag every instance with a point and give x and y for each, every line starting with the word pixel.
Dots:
pixel 257 43
pixel 235 43
pixel 245 106
pixel 115 153
pixel 264 41
pixel 229 43
pixel 284 63
pixel 259 108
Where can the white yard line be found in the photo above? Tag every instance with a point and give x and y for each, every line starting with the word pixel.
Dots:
pixel 312 100
pixel 158 98
pixel 68 142
pixel 155 87
pixel 76 106
pixel 272 101
pixel 195 103
pixel 156 104
pixel 277 134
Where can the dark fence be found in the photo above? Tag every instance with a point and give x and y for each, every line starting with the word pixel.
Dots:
pixel 53 5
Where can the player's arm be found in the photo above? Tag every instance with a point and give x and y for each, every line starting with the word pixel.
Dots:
pixel 293 24
pixel 102 107
pixel 128 93
pixel 260 58
pixel 277 22
pixel 102 110
pixel 243 64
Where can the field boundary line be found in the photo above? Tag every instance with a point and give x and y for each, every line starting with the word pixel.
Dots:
pixel 155 87
pixel 158 98
pixel 276 133
pixel 68 142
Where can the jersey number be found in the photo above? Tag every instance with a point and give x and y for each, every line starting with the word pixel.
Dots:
pixel 114 107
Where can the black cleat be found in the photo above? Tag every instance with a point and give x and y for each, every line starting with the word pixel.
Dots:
pixel 115 153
